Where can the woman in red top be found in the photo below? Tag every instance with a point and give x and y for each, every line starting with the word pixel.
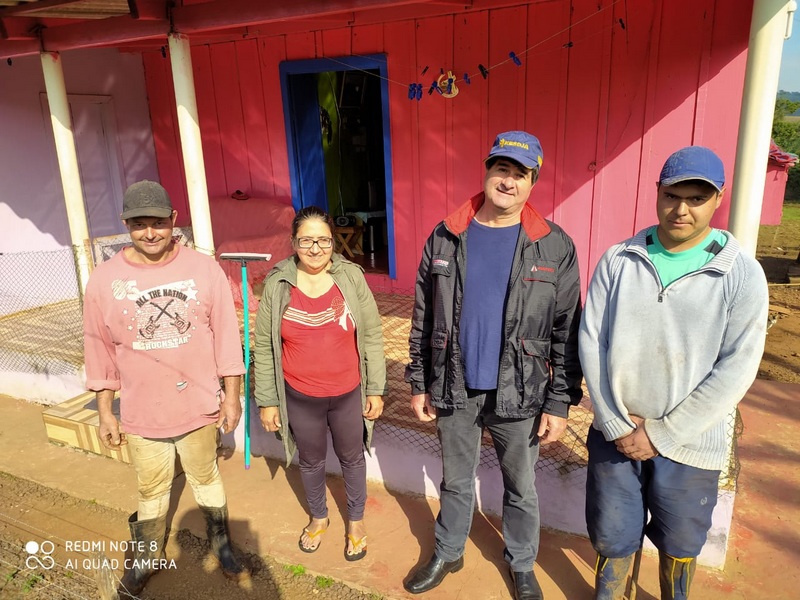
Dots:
pixel 319 365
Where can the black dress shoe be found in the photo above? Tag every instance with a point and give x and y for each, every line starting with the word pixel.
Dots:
pixel 525 586
pixel 428 577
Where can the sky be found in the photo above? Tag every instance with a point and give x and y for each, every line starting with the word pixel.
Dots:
pixel 790 62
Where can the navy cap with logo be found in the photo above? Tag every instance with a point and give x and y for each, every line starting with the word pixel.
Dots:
pixel 693 162
pixel 520 146
pixel 146 199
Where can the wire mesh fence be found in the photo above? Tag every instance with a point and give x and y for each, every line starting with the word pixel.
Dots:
pixel 104 247
pixel 40 313
pixel 41 332
pixel 399 426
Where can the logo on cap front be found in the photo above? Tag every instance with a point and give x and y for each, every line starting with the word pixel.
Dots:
pixel 504 142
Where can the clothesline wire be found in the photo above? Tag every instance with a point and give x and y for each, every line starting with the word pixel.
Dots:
pixel 494 66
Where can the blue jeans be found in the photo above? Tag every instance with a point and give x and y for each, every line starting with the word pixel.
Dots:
pixel 517 447
pixel 621 491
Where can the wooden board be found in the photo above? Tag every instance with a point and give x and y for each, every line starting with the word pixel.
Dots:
pixel 163 116
pixel 73 424
pixel 255 122
pixel 231 120
pixel 209 125
pixel 272 51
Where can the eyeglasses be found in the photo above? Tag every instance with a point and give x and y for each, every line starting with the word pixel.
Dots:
pixel 308 243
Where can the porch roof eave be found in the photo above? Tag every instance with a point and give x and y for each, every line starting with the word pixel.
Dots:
pixel 23 35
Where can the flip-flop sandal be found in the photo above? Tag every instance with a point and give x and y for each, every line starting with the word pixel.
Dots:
pixel 356 543
pixel 313 536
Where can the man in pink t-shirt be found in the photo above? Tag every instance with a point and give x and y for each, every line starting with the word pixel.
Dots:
pixel 161 329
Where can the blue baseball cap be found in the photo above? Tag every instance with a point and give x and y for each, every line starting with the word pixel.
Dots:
pixel 693 162
pixel 519 146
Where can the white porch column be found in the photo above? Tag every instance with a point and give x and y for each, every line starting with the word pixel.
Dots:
pixel 767 30
pixel 191 147
pixel 68 165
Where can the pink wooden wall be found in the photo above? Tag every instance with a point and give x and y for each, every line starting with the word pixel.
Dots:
pixel 609 103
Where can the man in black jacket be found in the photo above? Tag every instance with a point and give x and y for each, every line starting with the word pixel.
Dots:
pixel 494 344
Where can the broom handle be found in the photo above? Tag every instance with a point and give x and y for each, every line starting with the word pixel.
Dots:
pixel 245 295
pixel 243 257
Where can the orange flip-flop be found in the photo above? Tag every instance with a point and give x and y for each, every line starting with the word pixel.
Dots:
pixel 356 543
pixel 313 536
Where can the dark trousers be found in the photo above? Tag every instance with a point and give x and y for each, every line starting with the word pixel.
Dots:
pixel 621 491
pixel 517 447
pixel 310 418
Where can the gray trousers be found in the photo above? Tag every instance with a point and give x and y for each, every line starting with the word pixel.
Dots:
pixel 517 447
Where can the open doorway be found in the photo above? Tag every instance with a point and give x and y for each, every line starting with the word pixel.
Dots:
pixel 339 151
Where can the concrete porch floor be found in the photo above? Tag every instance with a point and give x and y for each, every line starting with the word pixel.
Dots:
pixel 267 515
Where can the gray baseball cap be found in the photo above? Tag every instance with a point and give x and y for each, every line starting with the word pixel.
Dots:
pixel 146 199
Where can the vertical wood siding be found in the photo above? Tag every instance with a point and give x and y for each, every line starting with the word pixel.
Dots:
pixel 611 89
pixel 272 51
pixel 402 65
pixel 209 122
pixel 164 118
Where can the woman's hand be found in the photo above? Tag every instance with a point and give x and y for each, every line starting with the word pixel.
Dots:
pixel 374 407
pixel 270 417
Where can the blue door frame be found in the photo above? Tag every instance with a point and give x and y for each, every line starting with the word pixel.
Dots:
pixel 305 147
pixel 301 115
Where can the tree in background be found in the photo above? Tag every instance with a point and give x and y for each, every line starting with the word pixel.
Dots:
pixel 786 133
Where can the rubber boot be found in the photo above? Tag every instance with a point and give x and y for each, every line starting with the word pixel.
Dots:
pixel 675 576
pixel 149 540
pixel 217 531
pixel 610 576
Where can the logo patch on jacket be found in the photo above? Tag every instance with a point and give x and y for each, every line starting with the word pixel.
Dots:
pixel 438 262
pixel 534 268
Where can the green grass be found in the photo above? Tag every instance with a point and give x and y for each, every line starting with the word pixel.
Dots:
pixel 791 212
pixel 324 582
pixel 296 570
pixel 785 236
pixel 31 582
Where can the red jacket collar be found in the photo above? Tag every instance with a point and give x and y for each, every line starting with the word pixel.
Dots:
pixel 532 222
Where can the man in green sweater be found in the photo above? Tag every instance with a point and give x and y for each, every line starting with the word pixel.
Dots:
pixel 670 341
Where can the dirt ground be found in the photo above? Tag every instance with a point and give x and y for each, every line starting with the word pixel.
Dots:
pixel 778 249
pixel 27 514
pixel 781 361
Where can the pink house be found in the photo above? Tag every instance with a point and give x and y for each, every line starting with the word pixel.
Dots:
pixel 380 111
pixel 310 104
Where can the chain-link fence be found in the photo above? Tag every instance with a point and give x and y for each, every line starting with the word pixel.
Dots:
pixel 41 332
pixel 107 246
pixel 40 313
pixel 400 426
